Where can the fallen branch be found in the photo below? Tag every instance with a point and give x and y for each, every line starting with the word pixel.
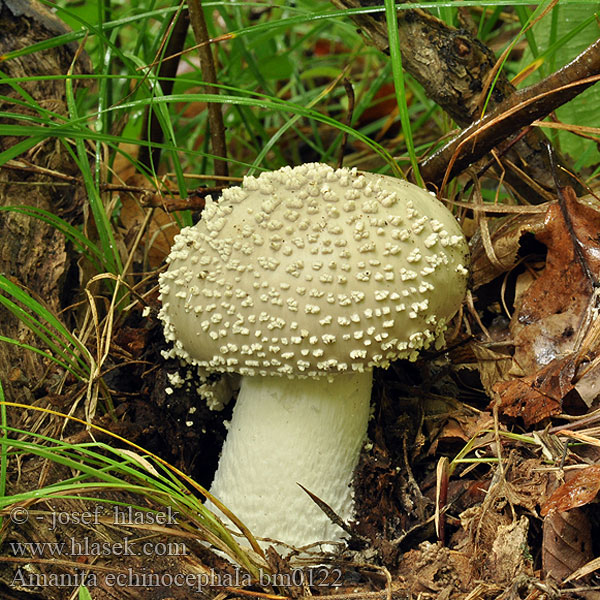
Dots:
pixel 209 74
pixel 519 110
pixel 454 68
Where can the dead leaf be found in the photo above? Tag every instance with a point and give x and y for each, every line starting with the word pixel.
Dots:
pixel 539 396
pixel 132 339
pixel 510 551
pixel 567 543
pixel 506 234
pixel 160 231
pixel 324 47
pixel 549 315
pixel 545 341
pixel 141 460
pixel 493 366
pixel 383 105
pixel 527 484
pixel 581 489
pixel 550 310
pixel 459 426
pixel 434 568
pixel 588 568
pixel 480 527
pixel 588 383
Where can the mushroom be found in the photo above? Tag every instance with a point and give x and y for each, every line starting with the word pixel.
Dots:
pixel 301 281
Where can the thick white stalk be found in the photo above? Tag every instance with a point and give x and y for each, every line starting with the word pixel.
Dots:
pixel 288 431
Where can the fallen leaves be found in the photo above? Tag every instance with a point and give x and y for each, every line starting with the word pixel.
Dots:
pixel 509 555
pixel 160 229
pixel 433 568
pixel 581 489
pixel 505 235
pixel 538 396
pixel 544 364
pixel 567 543
pixel 567 539
pixel 552 316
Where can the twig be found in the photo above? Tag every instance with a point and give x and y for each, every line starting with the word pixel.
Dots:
pixel 519 110
pixel 220 38
pixel 150 155
pixel 562 194
pixel 237 591
pixel 209 74
pixel 194 201
pixel 146 197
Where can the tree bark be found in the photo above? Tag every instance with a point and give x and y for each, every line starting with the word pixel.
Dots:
pixel 32 253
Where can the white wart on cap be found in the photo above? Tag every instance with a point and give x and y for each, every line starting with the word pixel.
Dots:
pixel 313 273
pixel 309 270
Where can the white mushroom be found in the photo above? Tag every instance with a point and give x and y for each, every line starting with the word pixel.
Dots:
pixel 303 280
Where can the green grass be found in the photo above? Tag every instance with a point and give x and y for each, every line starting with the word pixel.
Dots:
pixel 101 467
pixel 84 593
pixel 63 347
pixel 3 449
pixel 552 42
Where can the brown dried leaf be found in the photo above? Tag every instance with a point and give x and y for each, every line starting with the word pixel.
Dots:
pixel 493 366
pixel 588 383
pixel 567 543
pixel 527 484
pixel 545 341
pixel 434 568
pixel 549 314
pixel 459 426
pixel 132 339
pixel 538 396
pixel 160 231
pixel 581 489
pixel 505 233
pixel 508 557
pixel 496 544
pixel 543 326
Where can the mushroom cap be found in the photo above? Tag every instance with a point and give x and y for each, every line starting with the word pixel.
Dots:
pixel 310 270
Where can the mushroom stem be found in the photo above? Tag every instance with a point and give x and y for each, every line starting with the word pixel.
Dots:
pixel 288 431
